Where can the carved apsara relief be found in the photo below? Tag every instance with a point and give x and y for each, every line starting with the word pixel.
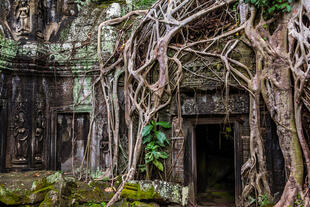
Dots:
pixel 23 18
pixel 20 134
pixel 19 19
pixel 39 132
pixel 34 19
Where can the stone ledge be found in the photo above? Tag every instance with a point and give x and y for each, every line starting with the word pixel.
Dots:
pixel 54 189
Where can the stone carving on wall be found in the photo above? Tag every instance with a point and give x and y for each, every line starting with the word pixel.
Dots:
pixel 19 21
pixel 214 104
pixel 21 137
pixel 39 132
pixel 20 134
pixel 35 19
pixel 23 18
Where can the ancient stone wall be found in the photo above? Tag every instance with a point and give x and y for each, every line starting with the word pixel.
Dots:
pixel 48 63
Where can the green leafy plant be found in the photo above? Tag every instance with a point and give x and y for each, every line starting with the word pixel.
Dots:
pixel 299 202
pixel 155 141
pixel 262 201
pixel 91 204
pixel 272 6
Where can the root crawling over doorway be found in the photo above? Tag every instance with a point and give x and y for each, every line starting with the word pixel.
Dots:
pixel 173 35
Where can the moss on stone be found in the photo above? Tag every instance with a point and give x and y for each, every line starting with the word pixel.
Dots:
pixel 124 203
pixel 133 191
pixel 92 192
pixel 8 197
pixel 142 204
pixel 104 4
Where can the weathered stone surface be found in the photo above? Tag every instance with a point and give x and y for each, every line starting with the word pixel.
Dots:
pixel 25 188
pixel 158 191
pixel 54 189
pixel 58 65
pixel 96 192
pixel 49 189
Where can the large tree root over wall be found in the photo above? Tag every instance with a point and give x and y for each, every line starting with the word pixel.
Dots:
pixel 174 34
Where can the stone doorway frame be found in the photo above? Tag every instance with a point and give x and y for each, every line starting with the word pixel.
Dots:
pixel 54 112
pixel 190 125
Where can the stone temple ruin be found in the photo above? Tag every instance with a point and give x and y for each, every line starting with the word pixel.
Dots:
pixel 48 61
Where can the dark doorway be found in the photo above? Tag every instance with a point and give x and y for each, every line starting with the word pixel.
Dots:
pixel 215 165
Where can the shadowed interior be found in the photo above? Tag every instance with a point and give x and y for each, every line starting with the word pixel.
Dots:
pixel 215 164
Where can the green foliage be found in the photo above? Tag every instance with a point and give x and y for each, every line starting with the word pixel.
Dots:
pixel 91 204
pixel 263 201
pixel 299 202
pixel 272 6
pixel 155 141
pixel 145 3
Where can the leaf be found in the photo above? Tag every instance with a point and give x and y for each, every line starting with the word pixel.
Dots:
pixel 149 157
pixel 146 130
pixel 159 165
pixel 164 124
pixel 147 139
pixel 142 168
pixel 161 138
pixel 156 154
pixel 271 10
pixel 151 146
pixel 163 155
pixel 153 123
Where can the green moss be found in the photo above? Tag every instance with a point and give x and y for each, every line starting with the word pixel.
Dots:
pixel 51 198
pixel 124 203
pixel 141 204
pixel 144 4
pixel 298 171
pixel 44 189
pixel 93 192
pixel 133 191
pixel 8 197
pixel 104 4
pixel 64 34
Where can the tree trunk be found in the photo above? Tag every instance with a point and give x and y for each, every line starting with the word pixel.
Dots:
pixel 278 96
